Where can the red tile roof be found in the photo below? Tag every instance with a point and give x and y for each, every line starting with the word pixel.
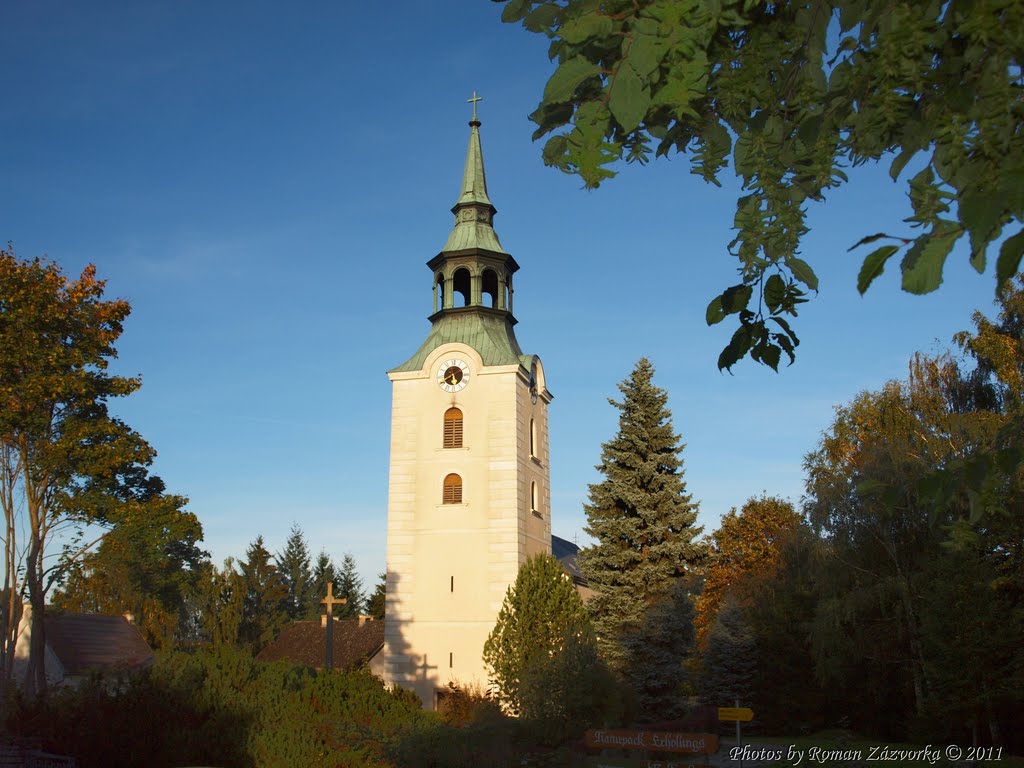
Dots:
pixel 89 641
pixel 305 642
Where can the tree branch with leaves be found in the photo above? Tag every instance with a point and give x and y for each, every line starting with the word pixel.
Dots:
pixel 792 95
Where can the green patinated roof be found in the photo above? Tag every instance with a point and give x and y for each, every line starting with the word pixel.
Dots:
pixel 474 182
pixel 490 334
pixel 473 234
pixel 474 213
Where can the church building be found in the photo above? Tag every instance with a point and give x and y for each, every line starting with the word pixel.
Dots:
pixel 468 489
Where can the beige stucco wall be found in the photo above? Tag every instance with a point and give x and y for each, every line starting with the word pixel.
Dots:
pixel 449 565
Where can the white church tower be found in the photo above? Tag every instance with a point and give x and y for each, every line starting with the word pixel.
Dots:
pixel 468 490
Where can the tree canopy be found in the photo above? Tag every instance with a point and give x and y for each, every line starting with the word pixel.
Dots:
pixel 65 462
pixel 793 94
pixel 541 617
pixel 148 567
pixel 746 544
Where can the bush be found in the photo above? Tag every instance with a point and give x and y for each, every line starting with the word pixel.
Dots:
pixel 569 692
pixel 465 705
pixel 222 708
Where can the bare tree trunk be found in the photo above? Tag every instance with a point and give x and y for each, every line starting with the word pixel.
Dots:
pixel 35 676
pixel 10 611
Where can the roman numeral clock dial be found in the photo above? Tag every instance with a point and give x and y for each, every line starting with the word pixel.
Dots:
pixel 453 375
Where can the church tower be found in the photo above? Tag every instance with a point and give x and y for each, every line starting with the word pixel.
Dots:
pixel 468 490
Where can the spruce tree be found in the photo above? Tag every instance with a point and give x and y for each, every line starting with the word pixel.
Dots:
pixel 349 585
pixel 293 563
pixel 730 661
pixel 376 603
pixel 645 525
pixel 323 572
pixel 266 598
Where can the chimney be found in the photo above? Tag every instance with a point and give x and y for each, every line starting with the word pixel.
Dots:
pixel 363 618
pixel 129 617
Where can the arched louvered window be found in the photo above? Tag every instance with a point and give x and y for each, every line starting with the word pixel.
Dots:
pixel 453 428
pixel 452 490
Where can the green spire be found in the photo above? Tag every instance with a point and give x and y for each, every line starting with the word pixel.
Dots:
pixel 474 182
pixel 474 211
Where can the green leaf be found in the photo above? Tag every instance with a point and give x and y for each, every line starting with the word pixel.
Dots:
pixel 1009 258
pixel 774 292
pixel 554 150
pixel 715 313
pixel 900 162
pixel 646 53
pixel 567 77
pixel 866 240
pixel 785 326
pixel 736 298
pixel 873 266
pixel 770 356
pixel 628 98
pixel 586 27
pixel 541 17
pixel 981 214
pixel 736 348
pixel 515 10
pixel 802 271
pixel 922 266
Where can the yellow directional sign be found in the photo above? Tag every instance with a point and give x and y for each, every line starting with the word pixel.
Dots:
pixel 742 714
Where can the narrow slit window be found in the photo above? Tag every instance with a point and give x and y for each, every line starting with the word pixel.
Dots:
pixel 533 438
pixel 452 490
pixel 453 428
pixel 533 498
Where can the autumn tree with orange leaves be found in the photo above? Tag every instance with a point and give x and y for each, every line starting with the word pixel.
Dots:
pixel 745 545
pixel 65 462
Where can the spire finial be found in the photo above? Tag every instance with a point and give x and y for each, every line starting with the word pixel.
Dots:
pixel 474 100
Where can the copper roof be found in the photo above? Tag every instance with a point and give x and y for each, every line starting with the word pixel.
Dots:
pixel 89 641
pixel 305 642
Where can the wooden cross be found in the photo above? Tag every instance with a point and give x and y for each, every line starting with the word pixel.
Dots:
pixel 330 601
pixel 474 100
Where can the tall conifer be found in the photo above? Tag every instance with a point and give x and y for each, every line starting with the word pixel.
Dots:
pixel 293 563
pixel 645 525
pixel 349 585
pixel 266 598
pixel 324 571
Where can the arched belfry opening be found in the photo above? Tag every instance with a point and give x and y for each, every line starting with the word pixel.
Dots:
pixel 439 292
pixel 462 286
pixel 489 288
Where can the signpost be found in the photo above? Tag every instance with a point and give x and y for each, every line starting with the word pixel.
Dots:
pixel 739 714
pixel 655 741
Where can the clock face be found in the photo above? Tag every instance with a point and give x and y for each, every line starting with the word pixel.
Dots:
pixel 453 375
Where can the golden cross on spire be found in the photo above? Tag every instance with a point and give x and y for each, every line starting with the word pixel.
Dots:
pixel 474 100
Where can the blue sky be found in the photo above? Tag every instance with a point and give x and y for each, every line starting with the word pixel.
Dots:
pixel 264 183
